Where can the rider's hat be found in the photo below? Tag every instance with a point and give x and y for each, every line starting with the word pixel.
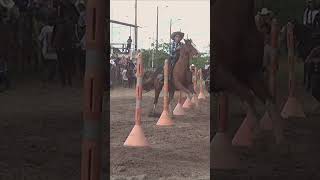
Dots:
pixel 7 3
pixel 265 11
pixel 177 33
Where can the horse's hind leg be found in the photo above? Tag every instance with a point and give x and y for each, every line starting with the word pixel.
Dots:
pixel 156 98
pixel 171 97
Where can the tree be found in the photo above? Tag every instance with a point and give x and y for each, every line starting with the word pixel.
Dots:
pixel 163 53
pixel 201 61
pixel 159 56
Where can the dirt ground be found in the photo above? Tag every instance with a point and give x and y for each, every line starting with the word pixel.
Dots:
pixel 40 135
pixel 40 132
pixel 178 152
pixel 262 162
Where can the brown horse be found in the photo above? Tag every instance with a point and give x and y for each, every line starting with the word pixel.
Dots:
pixel 181 76
pixel 238 57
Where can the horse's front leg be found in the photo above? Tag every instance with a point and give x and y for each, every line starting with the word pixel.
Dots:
pixel 156 98
pixel 171 96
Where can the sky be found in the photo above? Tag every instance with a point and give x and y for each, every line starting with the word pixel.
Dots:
pixel 194 15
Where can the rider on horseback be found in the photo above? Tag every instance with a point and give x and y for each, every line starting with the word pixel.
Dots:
pixel 175 47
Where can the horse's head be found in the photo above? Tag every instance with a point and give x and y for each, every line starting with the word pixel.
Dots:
pixel 189 48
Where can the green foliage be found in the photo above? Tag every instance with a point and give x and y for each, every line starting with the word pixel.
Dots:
pixel 159 56
pixel 201 61
pixel 163 53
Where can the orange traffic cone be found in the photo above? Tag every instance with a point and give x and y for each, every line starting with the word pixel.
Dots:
pixel 195 100
pixel 165 119
pixel 244 134
pixel 187 104
pixel 266 122
pixel 136 137
pixel 222 154
pixel 292 108
pixel 178 110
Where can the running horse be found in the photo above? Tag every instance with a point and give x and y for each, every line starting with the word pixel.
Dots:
pixel 239 49
pixel 181 76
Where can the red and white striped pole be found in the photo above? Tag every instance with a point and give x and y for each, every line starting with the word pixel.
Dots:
pixel 136 137
pixel 93 90
pixel 201 94
pixel 222 154
pixel 195 83
pixel 292 108
pixel 266 122
pixel 165 119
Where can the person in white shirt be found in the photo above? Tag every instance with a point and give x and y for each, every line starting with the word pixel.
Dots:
pixel 124 77
pixel 48 52
pixel 309 13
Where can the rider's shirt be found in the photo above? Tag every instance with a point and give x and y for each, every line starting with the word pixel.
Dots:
pixel 309 15
pixel 175 46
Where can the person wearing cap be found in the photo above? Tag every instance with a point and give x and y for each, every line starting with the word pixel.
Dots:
pixel 129 42
pixel 7 10
pixel 310 13
pixel 175 47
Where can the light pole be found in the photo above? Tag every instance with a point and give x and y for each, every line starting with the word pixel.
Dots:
pixel 130 26
pixel 157 37
pixel 135 28
pixel 157 28
pixel 171 23
pixel 152 58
